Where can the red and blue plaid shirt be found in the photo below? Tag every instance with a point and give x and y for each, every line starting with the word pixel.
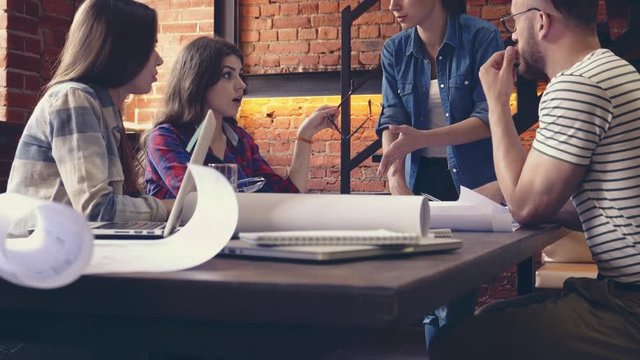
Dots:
pixel 167 159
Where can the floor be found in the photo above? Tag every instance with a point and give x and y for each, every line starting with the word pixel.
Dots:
pixel 408 344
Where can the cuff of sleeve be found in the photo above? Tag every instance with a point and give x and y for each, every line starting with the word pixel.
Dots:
pixel 391 116
pixel 483 116
pixel 158 210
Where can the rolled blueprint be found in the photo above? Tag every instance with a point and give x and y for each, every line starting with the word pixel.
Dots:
pixel 299 212
pixel 209 229
pixel 57 251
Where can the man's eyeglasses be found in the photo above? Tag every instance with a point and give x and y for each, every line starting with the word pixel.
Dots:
pixel 509 21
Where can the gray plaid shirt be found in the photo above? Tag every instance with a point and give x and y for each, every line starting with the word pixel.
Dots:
pixel 68 153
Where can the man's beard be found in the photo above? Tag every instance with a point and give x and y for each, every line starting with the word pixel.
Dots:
pixel 532 63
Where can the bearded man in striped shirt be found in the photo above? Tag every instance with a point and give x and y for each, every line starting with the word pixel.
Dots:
pixel 583 170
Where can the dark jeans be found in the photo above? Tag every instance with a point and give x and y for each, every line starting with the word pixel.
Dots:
pixel 588 319
pixel 435 179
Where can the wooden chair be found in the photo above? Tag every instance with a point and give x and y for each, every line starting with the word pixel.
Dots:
pixel 568 257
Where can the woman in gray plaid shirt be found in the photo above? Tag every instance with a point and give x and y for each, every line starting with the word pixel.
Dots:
pixel 73 148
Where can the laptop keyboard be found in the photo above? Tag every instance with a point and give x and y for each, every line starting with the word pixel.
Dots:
pixel 135 225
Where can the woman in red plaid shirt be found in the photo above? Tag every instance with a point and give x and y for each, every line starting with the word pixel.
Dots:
pixel 207 75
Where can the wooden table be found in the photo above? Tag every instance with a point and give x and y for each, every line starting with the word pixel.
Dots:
pixel 250 308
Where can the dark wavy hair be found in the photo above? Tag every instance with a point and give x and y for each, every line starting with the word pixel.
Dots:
pixel 197 68
pixel 583 13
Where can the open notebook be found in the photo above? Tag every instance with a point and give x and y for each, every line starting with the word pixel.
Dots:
pixel 338 252
pixel 338 237
pixel 153 230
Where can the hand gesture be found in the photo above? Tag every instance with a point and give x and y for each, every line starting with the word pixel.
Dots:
pixel 410 140
pixel 319 120
pixel 498 76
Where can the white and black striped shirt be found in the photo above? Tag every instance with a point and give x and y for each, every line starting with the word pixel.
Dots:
pixel 590 116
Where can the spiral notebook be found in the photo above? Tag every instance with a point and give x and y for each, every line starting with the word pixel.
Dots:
pixel 331 237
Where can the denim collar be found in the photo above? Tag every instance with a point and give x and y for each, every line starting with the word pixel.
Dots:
pixel 450 37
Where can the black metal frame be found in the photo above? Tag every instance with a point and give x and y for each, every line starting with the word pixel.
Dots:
pixel 226 19
pixel 346 163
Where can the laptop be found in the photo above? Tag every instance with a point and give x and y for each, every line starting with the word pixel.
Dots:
pixel 242 248
pixel 143 230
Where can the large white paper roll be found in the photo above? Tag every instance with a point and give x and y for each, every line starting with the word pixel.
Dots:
pixel 289 212
pixel 57 251
pixel 207 232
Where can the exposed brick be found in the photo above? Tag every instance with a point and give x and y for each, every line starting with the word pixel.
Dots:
pixel 328 7
pixel 325 20
pixel 287 34
pixel 325 47
pixel 310 61
pixel 308 9
pixel 250 11
pixel 268 35
pixel 368 58
pixel 371 31
pixel 288 9
pixel 307 34
pixel 289 47
pixel 327 33
pixel 292 23
pixel 492 12
pixel 269 10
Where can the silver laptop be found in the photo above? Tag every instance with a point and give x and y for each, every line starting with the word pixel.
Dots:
pixel 340 252
pixel 140 230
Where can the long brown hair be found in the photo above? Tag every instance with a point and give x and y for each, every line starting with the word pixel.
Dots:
pixel 108 45
pixel 197 68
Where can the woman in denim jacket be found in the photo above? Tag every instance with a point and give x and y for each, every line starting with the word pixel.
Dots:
pixel 433 103
pixel 434 112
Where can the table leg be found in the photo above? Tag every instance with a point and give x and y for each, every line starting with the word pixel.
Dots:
pixel 525 276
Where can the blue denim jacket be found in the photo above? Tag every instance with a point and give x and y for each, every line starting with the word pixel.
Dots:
pixel 468 43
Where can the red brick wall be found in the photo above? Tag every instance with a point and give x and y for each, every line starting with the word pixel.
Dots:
pixel 304 35
pixel 33 32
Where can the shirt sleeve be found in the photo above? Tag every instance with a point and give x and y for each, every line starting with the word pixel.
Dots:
pixel 393 111
pixel 274 182
pixel 167 153
pixel 86 170
pixel 485 46
pixel 575 114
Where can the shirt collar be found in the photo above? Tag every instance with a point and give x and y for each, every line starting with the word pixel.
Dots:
pixel 106 102
pixel 228 131
pixel 450 37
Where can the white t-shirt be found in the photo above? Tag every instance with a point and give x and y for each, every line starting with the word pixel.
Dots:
pixel 436 120
pixel 590 116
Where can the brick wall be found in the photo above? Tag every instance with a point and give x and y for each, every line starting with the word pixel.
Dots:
pixel 32 33
pixel 304 35
pixel 273 123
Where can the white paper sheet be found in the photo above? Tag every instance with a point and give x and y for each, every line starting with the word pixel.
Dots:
pixel 207 232
pixel 57 251
pixel 289 212
pixel 472 212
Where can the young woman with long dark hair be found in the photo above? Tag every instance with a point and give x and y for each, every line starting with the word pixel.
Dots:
pixel 73 149
pixel 207 76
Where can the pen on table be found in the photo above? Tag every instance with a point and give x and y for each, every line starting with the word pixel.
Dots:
pixel 431 198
